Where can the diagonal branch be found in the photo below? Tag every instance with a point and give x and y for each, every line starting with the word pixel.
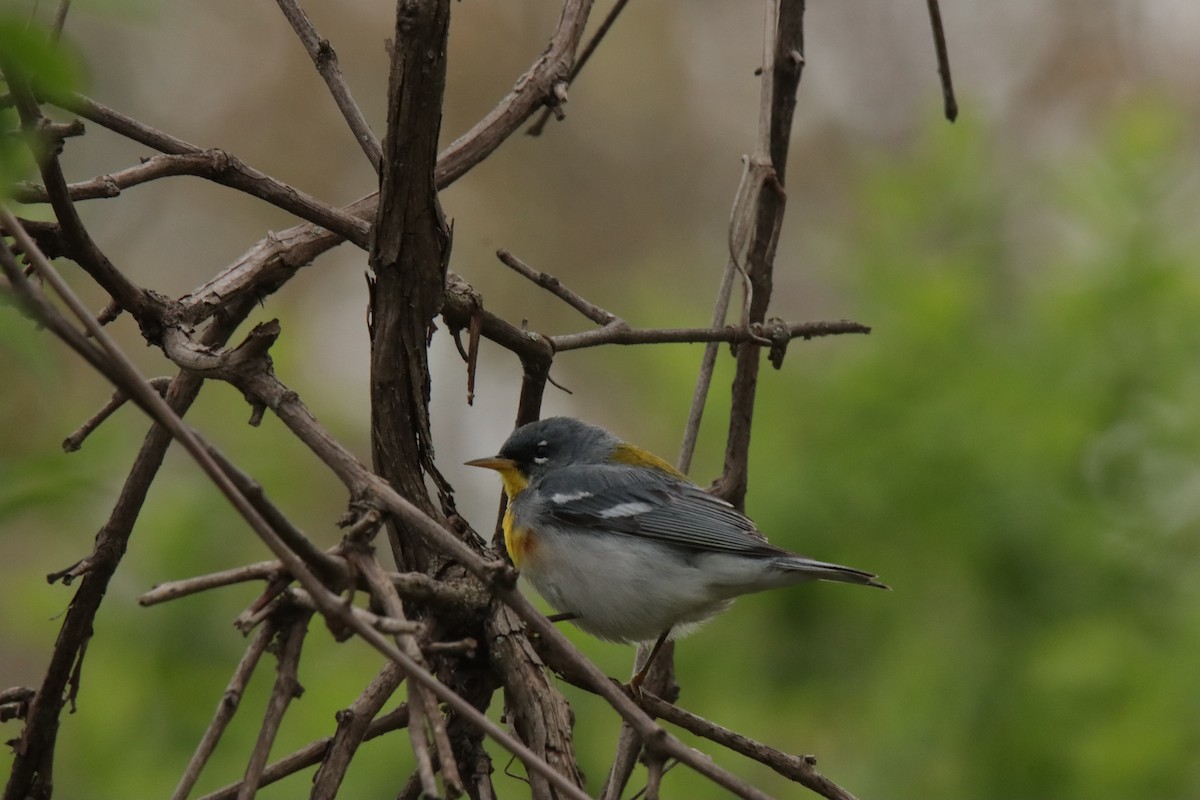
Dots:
pixel 313 752
pixel 326 61
pixel 274 260
pixel 287 688
pixel 226 707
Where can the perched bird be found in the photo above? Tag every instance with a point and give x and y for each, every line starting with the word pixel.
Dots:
pixel 624 544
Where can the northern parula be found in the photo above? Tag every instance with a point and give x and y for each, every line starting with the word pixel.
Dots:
pixel 624 544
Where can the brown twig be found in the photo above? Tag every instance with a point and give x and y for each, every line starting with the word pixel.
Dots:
pixel 88 255
pixel 536 128
pixel 555 286
pixel 226 707
pixel 287 688
pixel 750 335
pixel 76 439
pixel 738 231
pixel 331 570
pixel 384 623
pixel 353 728
pixel 326 62
pixel 783 65
pixel 212 164
pixel 533 89
pixel 60 20
pixel 312 754
pixel 534 705
pixel 271 262
pixel 797 768
pixel 411 585
pixel 949 102
pixel 428 715
pixel 173 590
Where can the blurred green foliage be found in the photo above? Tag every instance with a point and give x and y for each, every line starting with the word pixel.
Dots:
pixel 53 69
pixel 1015 449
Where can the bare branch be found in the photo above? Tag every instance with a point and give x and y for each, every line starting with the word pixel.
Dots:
pixel 385 593
pixel 271 262
pixel 313 753
pixel 142 304
pixel 76 439
pixel 226 707
pixel 949 102
pixel 287 688
pixel 533 89
pixel 212 164
pixel 536 128
pixel 325 59
pixel 60 20
pixel 173 590
pixel 783 62
pixel 555 286
pixel 752 334
pixel 797 768
pixel 354 725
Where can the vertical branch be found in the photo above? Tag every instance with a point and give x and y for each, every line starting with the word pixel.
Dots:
pixel 409 255
pixel 784 62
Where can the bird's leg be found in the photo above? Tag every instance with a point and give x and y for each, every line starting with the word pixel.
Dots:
pixel 635 683
pixel 563 617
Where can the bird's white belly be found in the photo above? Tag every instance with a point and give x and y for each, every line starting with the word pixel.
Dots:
pixel 629 589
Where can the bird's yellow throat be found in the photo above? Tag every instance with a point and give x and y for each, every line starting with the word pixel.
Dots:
pixel 515 540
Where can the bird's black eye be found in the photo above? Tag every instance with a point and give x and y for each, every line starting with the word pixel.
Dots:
pixel 541 453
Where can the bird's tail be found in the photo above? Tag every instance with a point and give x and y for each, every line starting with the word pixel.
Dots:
pixel 824 571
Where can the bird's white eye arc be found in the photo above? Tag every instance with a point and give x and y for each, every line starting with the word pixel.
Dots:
pixel 540 453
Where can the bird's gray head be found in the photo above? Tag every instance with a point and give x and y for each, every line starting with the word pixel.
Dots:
pixel 556 442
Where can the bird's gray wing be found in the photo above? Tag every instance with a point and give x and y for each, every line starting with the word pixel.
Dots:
pixel 650 503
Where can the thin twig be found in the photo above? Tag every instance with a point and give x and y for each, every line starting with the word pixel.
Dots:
pixel 536 128
pixel 275 259
pixel 797 768
pixel 755 333
pixel 312 753
pixel 60 20
pixel 76 439
pixel 217 166
pixel 411 585
pixel 354 724
pixel 387 624
pixel 173 590
pixel 330 569
pixel 287 688
pixel 385 592
pixel 783 64
pixel 226 707
pixel 85 251
pixel 949 102
pixel 326 61
pixel 555 286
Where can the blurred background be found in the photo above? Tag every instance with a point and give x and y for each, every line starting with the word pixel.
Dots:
pixel 1015 448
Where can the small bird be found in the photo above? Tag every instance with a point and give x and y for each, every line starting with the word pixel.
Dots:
pixel 625 545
